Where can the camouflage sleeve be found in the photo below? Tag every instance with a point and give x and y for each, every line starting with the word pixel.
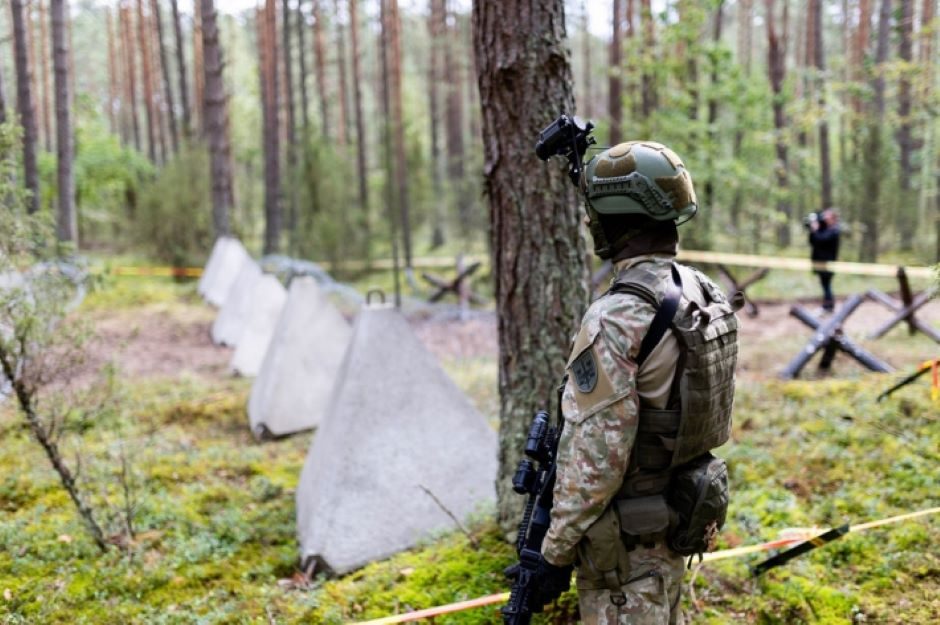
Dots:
pixel 601 414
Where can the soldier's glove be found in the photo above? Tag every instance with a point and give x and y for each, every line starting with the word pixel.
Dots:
pixel 550 581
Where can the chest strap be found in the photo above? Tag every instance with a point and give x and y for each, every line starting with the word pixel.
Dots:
pixel 665 311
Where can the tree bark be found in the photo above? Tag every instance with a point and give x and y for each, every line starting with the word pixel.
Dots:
pixel 24 103
pixel 776 66
pixel 272 165
pixel 198 70
pixel 648 57
pixel 182 73
pixel 216 121
pixel 291 147
pixel 436 28
pixel 44 70
pixel 587 101
pixel 165 73
pixel 907 205
pixel 385 80
pixel 112 75
pixel 3 100
pixel 130 72
pixel 868 251
pixel 302 59
pixel 820 61
pixel 713 142
pixel 361 157
pixel 614 70
pixel 142 35
pixel 344 131
pixel 319 52
pixel 398 124
pixel 456 148
pixel 67 221
pixel 538 255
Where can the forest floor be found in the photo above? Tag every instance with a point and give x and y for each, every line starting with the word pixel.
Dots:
pixel 213 509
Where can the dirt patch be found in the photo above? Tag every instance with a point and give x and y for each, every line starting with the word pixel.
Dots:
pixel 158 341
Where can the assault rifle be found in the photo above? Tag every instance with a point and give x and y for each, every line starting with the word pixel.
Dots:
pixel 537 481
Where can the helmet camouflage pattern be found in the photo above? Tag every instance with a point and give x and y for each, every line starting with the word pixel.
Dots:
pixel 640 177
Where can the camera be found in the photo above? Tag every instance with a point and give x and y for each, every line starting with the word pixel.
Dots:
pixel 810 219
pixel 567 136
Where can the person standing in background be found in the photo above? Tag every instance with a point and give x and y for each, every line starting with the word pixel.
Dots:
pixel 824 235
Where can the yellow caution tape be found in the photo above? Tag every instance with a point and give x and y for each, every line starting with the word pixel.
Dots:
pixel 792 535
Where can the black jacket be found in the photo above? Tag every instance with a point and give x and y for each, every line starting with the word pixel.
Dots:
pixel 825 242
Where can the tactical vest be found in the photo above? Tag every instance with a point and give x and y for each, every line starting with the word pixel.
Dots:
pixel 698 416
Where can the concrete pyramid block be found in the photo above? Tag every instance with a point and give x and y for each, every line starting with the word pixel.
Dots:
pixel 293 390
pixel 222 270
pixel 396 425
pixel 267 302
pixel 233 315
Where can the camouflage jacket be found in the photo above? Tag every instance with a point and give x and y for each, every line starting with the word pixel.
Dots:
pixel 601 404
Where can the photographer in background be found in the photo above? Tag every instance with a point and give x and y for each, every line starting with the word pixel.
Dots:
pixel 824 234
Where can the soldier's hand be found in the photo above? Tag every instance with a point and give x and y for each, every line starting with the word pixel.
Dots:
pixel 550 582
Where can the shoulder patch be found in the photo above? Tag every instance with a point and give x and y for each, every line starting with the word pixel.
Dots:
pixel 584 369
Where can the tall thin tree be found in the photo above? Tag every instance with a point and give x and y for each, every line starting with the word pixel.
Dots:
pixel 361 157
pixel 147 80
pixel 398 124
pixel 130 71
pixel 165 73
pixel 44 71
pixel 906 208
pixel 614 70
pixel 776 67
pixel 342 126
pixel 24 102
pixel 216 119
pixel 319 53
pixel 67 218
pixel 825 166
pixel 302 61
pixel 436 27
pixel 873 151
pixel 185 110
pixel 199 74
pixel 291 121
pixel 272 163
pixel 538 254
pixel 456 146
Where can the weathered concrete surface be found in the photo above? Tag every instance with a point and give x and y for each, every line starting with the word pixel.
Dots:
pixel 396 423
pixel 293 390
pixel 233 315
pixel 223 268
pixel 267 302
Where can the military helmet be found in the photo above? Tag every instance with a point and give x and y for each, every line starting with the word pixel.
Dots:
pixel 639 178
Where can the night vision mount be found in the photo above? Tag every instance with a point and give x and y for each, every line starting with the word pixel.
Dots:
pixel 567 136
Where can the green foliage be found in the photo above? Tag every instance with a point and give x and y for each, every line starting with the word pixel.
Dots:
pixel 173 220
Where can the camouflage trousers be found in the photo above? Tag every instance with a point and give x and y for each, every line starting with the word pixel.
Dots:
pixel 652 596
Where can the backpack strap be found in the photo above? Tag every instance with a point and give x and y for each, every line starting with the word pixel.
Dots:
pixel 665 311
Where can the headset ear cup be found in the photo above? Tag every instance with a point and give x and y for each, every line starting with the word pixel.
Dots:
pixel 601 245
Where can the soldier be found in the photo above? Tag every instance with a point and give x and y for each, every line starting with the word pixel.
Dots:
pixel 648 392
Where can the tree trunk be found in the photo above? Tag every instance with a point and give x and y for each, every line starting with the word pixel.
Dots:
pixel 437 26
pixel 398 124
pixel 112 76
pixel 538 254
pixel 820 60
pixel 385 80
pixel 24 103
pixel 216 121
pixel 587 100
pixel 319 52
pixel 272 165
pixel 907 204
pixel 362 164
pixel 456 148
pixel 291 119
pixel 67 221
pixel 130 72
pixel 873 153
pixel 776 65
pixel 302 59
pixel 3 99
pixel 198 71
pixel 614 70
pixel 165 73
pixel 44 69
pixel 182 74
pixel 142 35
pixel 343 129
pixel 648 57
pixel 713 142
